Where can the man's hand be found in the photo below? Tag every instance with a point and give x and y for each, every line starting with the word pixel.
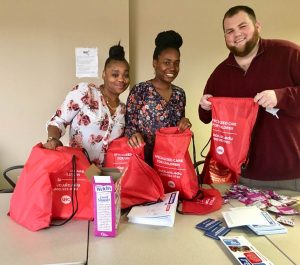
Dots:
pixel 204 103
pixel 266 99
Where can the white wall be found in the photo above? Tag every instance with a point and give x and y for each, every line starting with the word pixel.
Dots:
pixel 200 24
pixel 37 65
pixel 38 38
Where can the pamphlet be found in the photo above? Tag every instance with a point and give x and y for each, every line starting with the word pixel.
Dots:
pixel 248 215
pixel 260 222
pixel 272 228
pixel 159 214
pixel 243 251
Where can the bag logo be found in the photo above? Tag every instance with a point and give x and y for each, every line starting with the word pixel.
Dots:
pixel 220 150
pixel 65 199
pixel 171 184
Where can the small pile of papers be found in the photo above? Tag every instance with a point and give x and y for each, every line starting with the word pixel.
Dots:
pixel 273 227
pixel 260 222
pixel 159 214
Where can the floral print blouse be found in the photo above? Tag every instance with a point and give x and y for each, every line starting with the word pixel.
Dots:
pixel 92 126
pixel 147 110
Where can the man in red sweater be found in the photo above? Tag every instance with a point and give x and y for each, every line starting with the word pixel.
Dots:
pixel 269 72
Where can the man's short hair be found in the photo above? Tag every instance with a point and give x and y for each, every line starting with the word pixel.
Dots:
pixel 236 9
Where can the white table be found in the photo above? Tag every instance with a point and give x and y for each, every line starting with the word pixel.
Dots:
pixel 56 245
pixel 179 245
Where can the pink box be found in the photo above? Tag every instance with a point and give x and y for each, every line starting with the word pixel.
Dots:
pixel 107 208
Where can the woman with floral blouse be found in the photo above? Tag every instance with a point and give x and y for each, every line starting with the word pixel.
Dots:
pixel 95 114
pixel 157 103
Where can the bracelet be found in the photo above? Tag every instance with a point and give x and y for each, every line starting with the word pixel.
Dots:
pixel 50 138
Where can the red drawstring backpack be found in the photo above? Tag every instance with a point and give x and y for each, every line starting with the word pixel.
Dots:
pixel 139 183
pixel 172 161
pixel 52 185
pixel 233 120
pixel 119 153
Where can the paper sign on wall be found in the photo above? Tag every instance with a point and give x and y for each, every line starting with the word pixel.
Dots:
pixel 86 62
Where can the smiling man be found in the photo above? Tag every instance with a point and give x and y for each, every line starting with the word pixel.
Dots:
pixel 269 72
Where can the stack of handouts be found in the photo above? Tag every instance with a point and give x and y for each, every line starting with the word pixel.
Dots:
pixel 258 221
pixel 273 227
pixel 160 214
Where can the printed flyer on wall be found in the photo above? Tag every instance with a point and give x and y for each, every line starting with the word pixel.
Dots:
pixel 244 252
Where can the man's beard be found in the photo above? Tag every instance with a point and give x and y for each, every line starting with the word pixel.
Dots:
pixel 248 47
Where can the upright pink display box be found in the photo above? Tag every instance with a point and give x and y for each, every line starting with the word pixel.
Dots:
pixel 106 195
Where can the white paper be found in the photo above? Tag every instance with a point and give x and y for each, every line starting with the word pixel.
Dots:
pixel 273 111
pixel 86 62
pixel 241 216
pixel 273 226
pixel 160 214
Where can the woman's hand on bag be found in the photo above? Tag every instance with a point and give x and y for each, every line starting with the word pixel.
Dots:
pixel 204 103
pixel 136 140
pixel 52 144
pixel 183 124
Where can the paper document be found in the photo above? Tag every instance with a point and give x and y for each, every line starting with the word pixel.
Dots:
pixel 273 227
pixel 273 111
pixel 160 214
pixel 240 216
pixel 86 62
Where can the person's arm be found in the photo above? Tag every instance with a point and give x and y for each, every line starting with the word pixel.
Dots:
pixel 184 122
pixel 53 138
pixel 285 98
pixel 204 108
pixel 56 126
pixel 133 107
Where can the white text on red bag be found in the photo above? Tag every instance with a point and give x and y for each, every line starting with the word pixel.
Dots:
pixel 233 120
pixel 172 161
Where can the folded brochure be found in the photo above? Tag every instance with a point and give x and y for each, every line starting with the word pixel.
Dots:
pixel 159 214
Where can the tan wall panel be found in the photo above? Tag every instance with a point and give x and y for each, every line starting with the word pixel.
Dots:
pixel 200 24
pixel 37 66
pixel 38 38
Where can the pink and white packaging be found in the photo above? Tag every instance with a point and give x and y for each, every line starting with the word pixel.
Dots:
pixel 107 204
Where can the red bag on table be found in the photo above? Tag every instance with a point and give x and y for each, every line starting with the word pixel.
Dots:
pixel 119 153
pixel 233 120
pixel 172 161
pixel 52 185
pixel 216 173
pixel 140 184
pixel 206 201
